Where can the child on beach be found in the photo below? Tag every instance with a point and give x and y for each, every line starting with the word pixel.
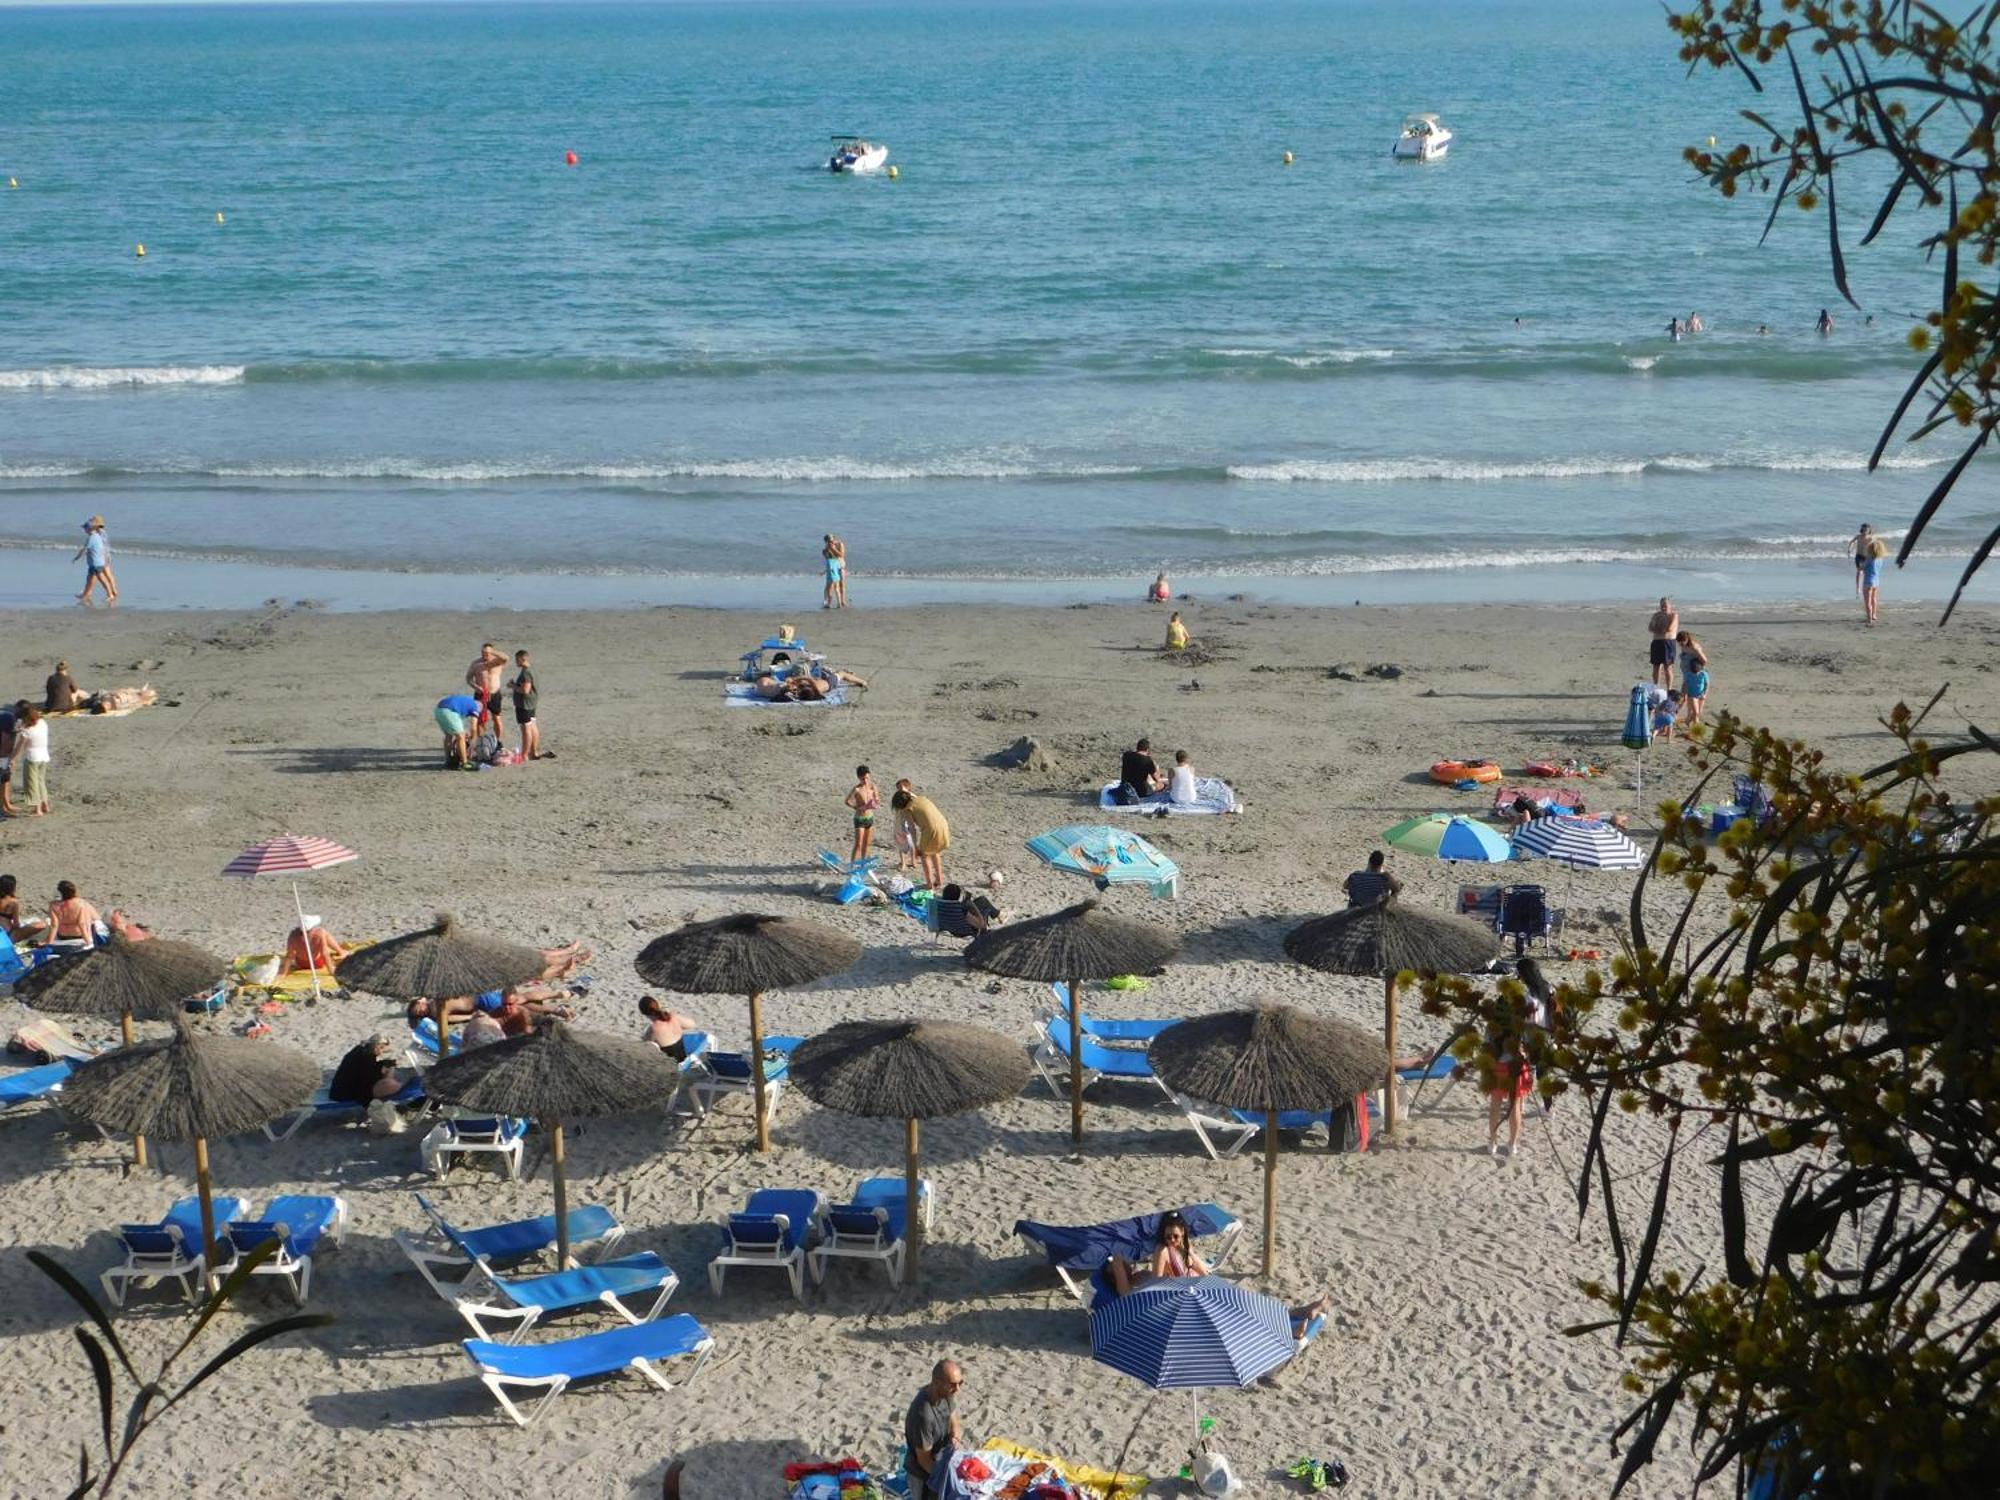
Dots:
pixel 1177 635
pixel 863 801
pixel 1666 709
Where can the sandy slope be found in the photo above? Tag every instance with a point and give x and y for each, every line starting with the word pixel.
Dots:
pixel 1445 1373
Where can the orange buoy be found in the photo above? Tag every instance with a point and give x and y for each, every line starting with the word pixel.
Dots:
pixel 569 158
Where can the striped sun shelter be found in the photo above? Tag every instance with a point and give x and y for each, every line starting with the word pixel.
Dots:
pixel 1192 1332
pixel 1580 843
pixel 294 855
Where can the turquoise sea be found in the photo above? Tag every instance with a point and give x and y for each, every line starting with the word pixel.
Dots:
pixel 1095 327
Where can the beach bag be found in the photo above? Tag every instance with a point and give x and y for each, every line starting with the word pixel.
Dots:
pixel 1213 1474
pixel 1347 1127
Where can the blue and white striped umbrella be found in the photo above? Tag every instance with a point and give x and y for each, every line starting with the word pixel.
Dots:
pixel 1192 1332
pixel 1109 856
pixel 1580 843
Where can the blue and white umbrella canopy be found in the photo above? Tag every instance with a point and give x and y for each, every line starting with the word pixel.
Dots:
pixel 1109 856
pixel 1192 1333
pixel 1580 843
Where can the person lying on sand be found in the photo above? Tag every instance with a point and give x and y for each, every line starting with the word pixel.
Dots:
pixel 126 927
pixel 560 963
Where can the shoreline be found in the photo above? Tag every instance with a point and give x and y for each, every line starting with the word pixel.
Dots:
pixel 29 582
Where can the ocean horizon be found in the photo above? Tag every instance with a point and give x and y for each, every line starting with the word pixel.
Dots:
pixel 1094 328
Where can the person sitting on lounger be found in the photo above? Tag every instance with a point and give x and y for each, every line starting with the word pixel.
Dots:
pixel 367 1073
pixel 1173 1255
pixel 666 1028
pixel 311 947
pixel 26 931
pixel 73 921
pixel 965 914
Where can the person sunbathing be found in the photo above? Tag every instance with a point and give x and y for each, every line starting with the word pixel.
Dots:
pixel 1173 1255
pixel 456 1009
pixel 311 947
pixel 128 928
pixel 560 963
pixel 666 1028
pixel 25 930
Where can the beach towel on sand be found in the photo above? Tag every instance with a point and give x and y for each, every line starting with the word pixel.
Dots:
pixel 744 695
pixel 1542 795
pixel 1212 795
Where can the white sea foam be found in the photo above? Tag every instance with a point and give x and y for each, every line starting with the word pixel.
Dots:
pixel 802 470
pixel 83 378
pixel 1306 359
pixel 1641 362
pixel 1392 470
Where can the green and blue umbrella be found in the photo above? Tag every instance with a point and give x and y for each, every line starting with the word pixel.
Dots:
pixel 1109 856
pixel 1449 836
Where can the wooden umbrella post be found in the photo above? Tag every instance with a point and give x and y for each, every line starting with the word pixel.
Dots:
pixel 1389 1036
pixel 1076 1063
pixel 202 1189
pixel 913 1218
pixel 138 1141
pixel 1270 1190
pixel 757 1070
pixel 558 1165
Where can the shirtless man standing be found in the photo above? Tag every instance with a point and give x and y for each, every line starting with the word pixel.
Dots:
pixel 1665 623
pixel 483 677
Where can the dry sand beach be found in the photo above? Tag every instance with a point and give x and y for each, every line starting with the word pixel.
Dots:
pixel 1444 1372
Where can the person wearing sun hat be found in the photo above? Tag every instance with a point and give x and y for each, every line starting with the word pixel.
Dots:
pixel 96 553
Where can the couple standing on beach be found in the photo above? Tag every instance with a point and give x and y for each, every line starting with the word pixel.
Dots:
pixel 833 553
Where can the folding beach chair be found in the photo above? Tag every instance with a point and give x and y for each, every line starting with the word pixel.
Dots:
pixel 323 1107
pixel 771 1231
pixel 551 1368
pixel 475 1135
pixel 1526 917
pixel 1127 1034
pixel 1080 1252
pixel 1052 1060
pixel 872 1226
pixel 300 1225
pixel 167 1251
pixel 593 1231
pixel 728 1073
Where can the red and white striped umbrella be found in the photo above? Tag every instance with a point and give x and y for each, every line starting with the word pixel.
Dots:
pixel 291 854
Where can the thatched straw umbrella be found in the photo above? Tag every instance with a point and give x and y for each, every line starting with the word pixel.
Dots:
pixel 147 981
pixel 747 954
pixel 556 1073
pixel 441 962
pixel 191 1087
pixel 1268 1059
pixel 909 1071
pixel 1068 947
pixel 1389 938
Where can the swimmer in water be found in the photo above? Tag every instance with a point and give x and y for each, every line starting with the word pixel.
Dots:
pixel 1674 330
pixel 1694 323
pixel 1763 330
pixel 1825 323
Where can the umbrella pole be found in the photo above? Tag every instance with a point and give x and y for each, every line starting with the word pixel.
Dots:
pixel 1076 1063
pixel 757 1070
pixel 138 1141
pixel 312 968
pixel 1389 1036
pixel 558 1160
pixel 913 1218
pixel 1270 1190
pixel 201 1187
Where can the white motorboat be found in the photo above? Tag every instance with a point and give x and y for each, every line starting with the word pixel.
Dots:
pixel 1424 138
pixel 852 154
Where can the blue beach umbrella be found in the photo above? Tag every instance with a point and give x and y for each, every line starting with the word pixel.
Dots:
pixel 1192 1333
pixel 1638 733
pixel 1109 856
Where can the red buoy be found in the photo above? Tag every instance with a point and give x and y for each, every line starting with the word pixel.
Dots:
pixel 569 158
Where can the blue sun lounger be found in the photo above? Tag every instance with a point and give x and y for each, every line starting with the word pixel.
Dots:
pixel 1126 1034
pixel 874 1225
pixel 727 1073
pixel 300 1224
pixel 592 1231
pixel 168 1250
pixel 551 1368
pixel 1052 1060
pixel 323 1107
pixel 772 1230
pixel 1080 1252
pixel 31 1085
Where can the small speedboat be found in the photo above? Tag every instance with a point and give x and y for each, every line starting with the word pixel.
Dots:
pixel 852 154
pixel 1424 138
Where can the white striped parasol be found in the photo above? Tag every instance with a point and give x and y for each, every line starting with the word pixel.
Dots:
pixel 1580 843
pixel 292 854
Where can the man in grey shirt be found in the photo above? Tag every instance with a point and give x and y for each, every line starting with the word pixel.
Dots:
pixel 930 1428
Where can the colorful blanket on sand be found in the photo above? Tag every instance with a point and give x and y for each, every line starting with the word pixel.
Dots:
pixel 1213 795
